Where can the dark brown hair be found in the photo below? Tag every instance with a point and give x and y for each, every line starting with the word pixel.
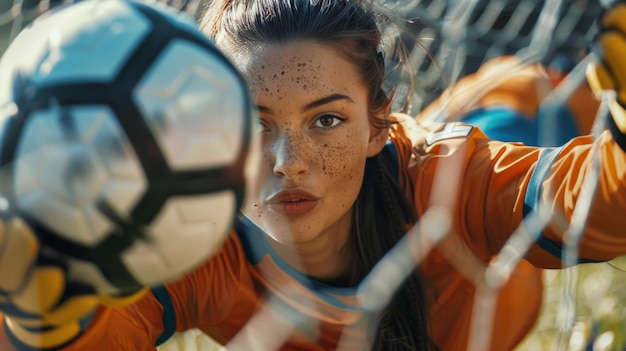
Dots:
pixel 381 212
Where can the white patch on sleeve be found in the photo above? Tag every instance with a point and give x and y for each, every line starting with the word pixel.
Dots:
pixel 450 131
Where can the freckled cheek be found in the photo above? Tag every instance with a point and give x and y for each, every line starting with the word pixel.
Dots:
pixel 343 168
pixel 343 189
pixel 338 166
pixel 345 159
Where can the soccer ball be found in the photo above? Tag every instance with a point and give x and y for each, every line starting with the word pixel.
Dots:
pixel 126 141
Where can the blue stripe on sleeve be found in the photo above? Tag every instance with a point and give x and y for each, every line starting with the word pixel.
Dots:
pixel 533 195
pixel 533 190
pixel 169 314
pixel 533 199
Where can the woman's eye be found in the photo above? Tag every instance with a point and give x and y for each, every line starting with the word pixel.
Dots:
pixel 328 121
pixel 261 127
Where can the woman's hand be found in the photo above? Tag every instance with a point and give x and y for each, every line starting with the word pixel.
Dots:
pixel 41 308
pixel 609 74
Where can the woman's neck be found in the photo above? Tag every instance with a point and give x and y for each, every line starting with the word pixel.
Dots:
pixel 328 258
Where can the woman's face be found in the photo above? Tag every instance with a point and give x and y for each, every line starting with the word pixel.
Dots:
pixel 316 136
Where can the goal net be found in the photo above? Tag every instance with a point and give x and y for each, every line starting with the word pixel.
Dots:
pixel 446 40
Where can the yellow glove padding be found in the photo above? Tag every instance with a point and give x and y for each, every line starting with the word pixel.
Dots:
pixel 41 309
pixel 610 74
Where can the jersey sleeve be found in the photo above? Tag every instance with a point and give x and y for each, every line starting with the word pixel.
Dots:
pixel 489 187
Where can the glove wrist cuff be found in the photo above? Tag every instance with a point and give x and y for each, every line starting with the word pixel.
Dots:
pixel 619 134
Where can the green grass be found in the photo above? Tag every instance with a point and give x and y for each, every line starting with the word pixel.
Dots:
pixel 598 294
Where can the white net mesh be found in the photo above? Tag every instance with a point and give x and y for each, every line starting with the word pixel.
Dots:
pixel 583 308
pixel 462 35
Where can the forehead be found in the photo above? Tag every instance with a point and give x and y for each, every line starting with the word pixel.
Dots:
pixel 283 69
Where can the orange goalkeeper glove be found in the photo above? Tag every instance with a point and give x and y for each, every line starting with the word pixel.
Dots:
pixel 41 309
pixel 610 73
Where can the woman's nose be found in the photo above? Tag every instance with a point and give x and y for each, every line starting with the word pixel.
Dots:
pixel 290 156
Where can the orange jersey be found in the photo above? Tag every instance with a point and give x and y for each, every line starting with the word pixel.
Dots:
pixel 487 186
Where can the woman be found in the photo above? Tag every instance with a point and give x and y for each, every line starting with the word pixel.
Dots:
pixel 341 181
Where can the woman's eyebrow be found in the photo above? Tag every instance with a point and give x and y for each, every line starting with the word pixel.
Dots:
pixel 326 100
pixel 262 108
pixel 319 102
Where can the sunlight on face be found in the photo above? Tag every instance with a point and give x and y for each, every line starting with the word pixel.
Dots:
pixel 316 138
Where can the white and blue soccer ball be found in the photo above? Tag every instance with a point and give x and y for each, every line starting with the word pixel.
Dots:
pixel 125 139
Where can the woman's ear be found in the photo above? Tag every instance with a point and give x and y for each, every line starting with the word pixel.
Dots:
pixel 378 138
